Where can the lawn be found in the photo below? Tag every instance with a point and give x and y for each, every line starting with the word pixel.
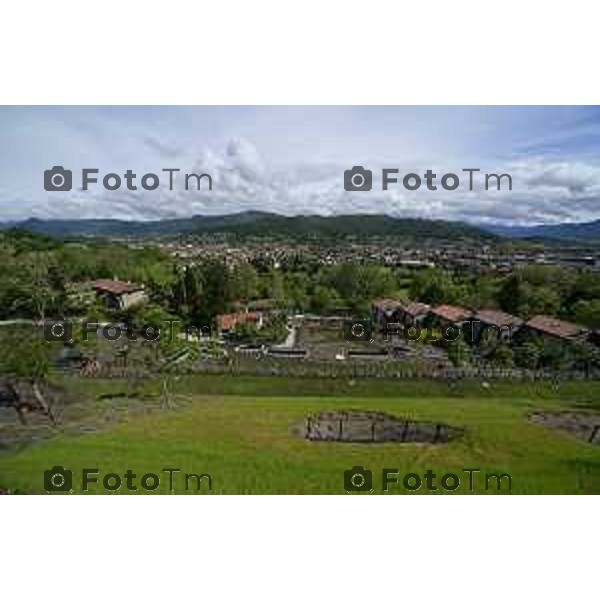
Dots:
pixel 248 445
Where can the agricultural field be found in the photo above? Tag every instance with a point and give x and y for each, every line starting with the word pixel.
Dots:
pixel 248 434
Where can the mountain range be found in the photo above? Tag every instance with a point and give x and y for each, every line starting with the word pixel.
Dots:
pixel 256 223
pixel 581 232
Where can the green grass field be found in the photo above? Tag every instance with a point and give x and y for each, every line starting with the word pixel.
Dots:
pixel 240 432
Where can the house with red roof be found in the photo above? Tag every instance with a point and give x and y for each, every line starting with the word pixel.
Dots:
pixel 228 321
pixel 503 325
pixel 445 315
pixel 556 329
pixel 413 313
pixel 119 295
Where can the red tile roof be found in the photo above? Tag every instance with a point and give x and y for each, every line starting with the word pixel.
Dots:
pixel 230 320
pixel 387 303
pixel 114 286
pixel 417 308
pixel 451 313
pixel 555 327
pixel 491 316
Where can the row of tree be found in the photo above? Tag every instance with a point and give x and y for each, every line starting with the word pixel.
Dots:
pixel 37 276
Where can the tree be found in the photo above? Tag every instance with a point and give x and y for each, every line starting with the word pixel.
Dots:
pixel 482 292
pixel 489 341
pixel 323 299
pixel 527 355
pixel 503 356
pixel 555 354
pixel 187 291
pixel 271 285
pixel 585 355
pixel 358 285
pixel 27 358
pixel 539 300
pixel 536 289
pixel 244 332
pixel 459 352
pixel 216 292
pixel 435 286
pixel 296 290
pixel 585 287
pixel 41 285
pixel 510 295
pixel 274 330
pixel 243 283
pixel 587 312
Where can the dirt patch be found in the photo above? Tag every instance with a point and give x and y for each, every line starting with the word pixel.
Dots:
pixel 83 415
pixel 374 427
pixel 583 425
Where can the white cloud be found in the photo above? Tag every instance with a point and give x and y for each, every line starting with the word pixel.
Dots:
pixel 543 192
pixel 291 160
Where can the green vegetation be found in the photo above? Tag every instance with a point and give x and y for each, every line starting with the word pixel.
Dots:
pixel 24 355
pixel 273 331
pixel 43 278
pixel 40 277
pixel 247 444
pixel 459 352
pixel 259 224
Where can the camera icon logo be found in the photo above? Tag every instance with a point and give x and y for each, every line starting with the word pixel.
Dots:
pixel 58 479
pixel 358 479
pixel 358 331
pixel 358 179
pixel 58 331
pixel 58 179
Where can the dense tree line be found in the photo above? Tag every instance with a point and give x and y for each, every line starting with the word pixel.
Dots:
pixel 38 274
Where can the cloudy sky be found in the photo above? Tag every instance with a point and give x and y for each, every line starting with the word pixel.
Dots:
pixel 291 160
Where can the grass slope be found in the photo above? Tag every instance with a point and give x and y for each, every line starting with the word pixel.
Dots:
pixel 245 443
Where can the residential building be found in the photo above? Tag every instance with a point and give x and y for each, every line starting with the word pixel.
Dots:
pixel 119 295
pixel 228 321
pixel 552 328
pixel 413 314
pixel 445 315
pixel 502 324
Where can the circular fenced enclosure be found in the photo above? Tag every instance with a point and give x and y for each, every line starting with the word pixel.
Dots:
pixel 369 427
